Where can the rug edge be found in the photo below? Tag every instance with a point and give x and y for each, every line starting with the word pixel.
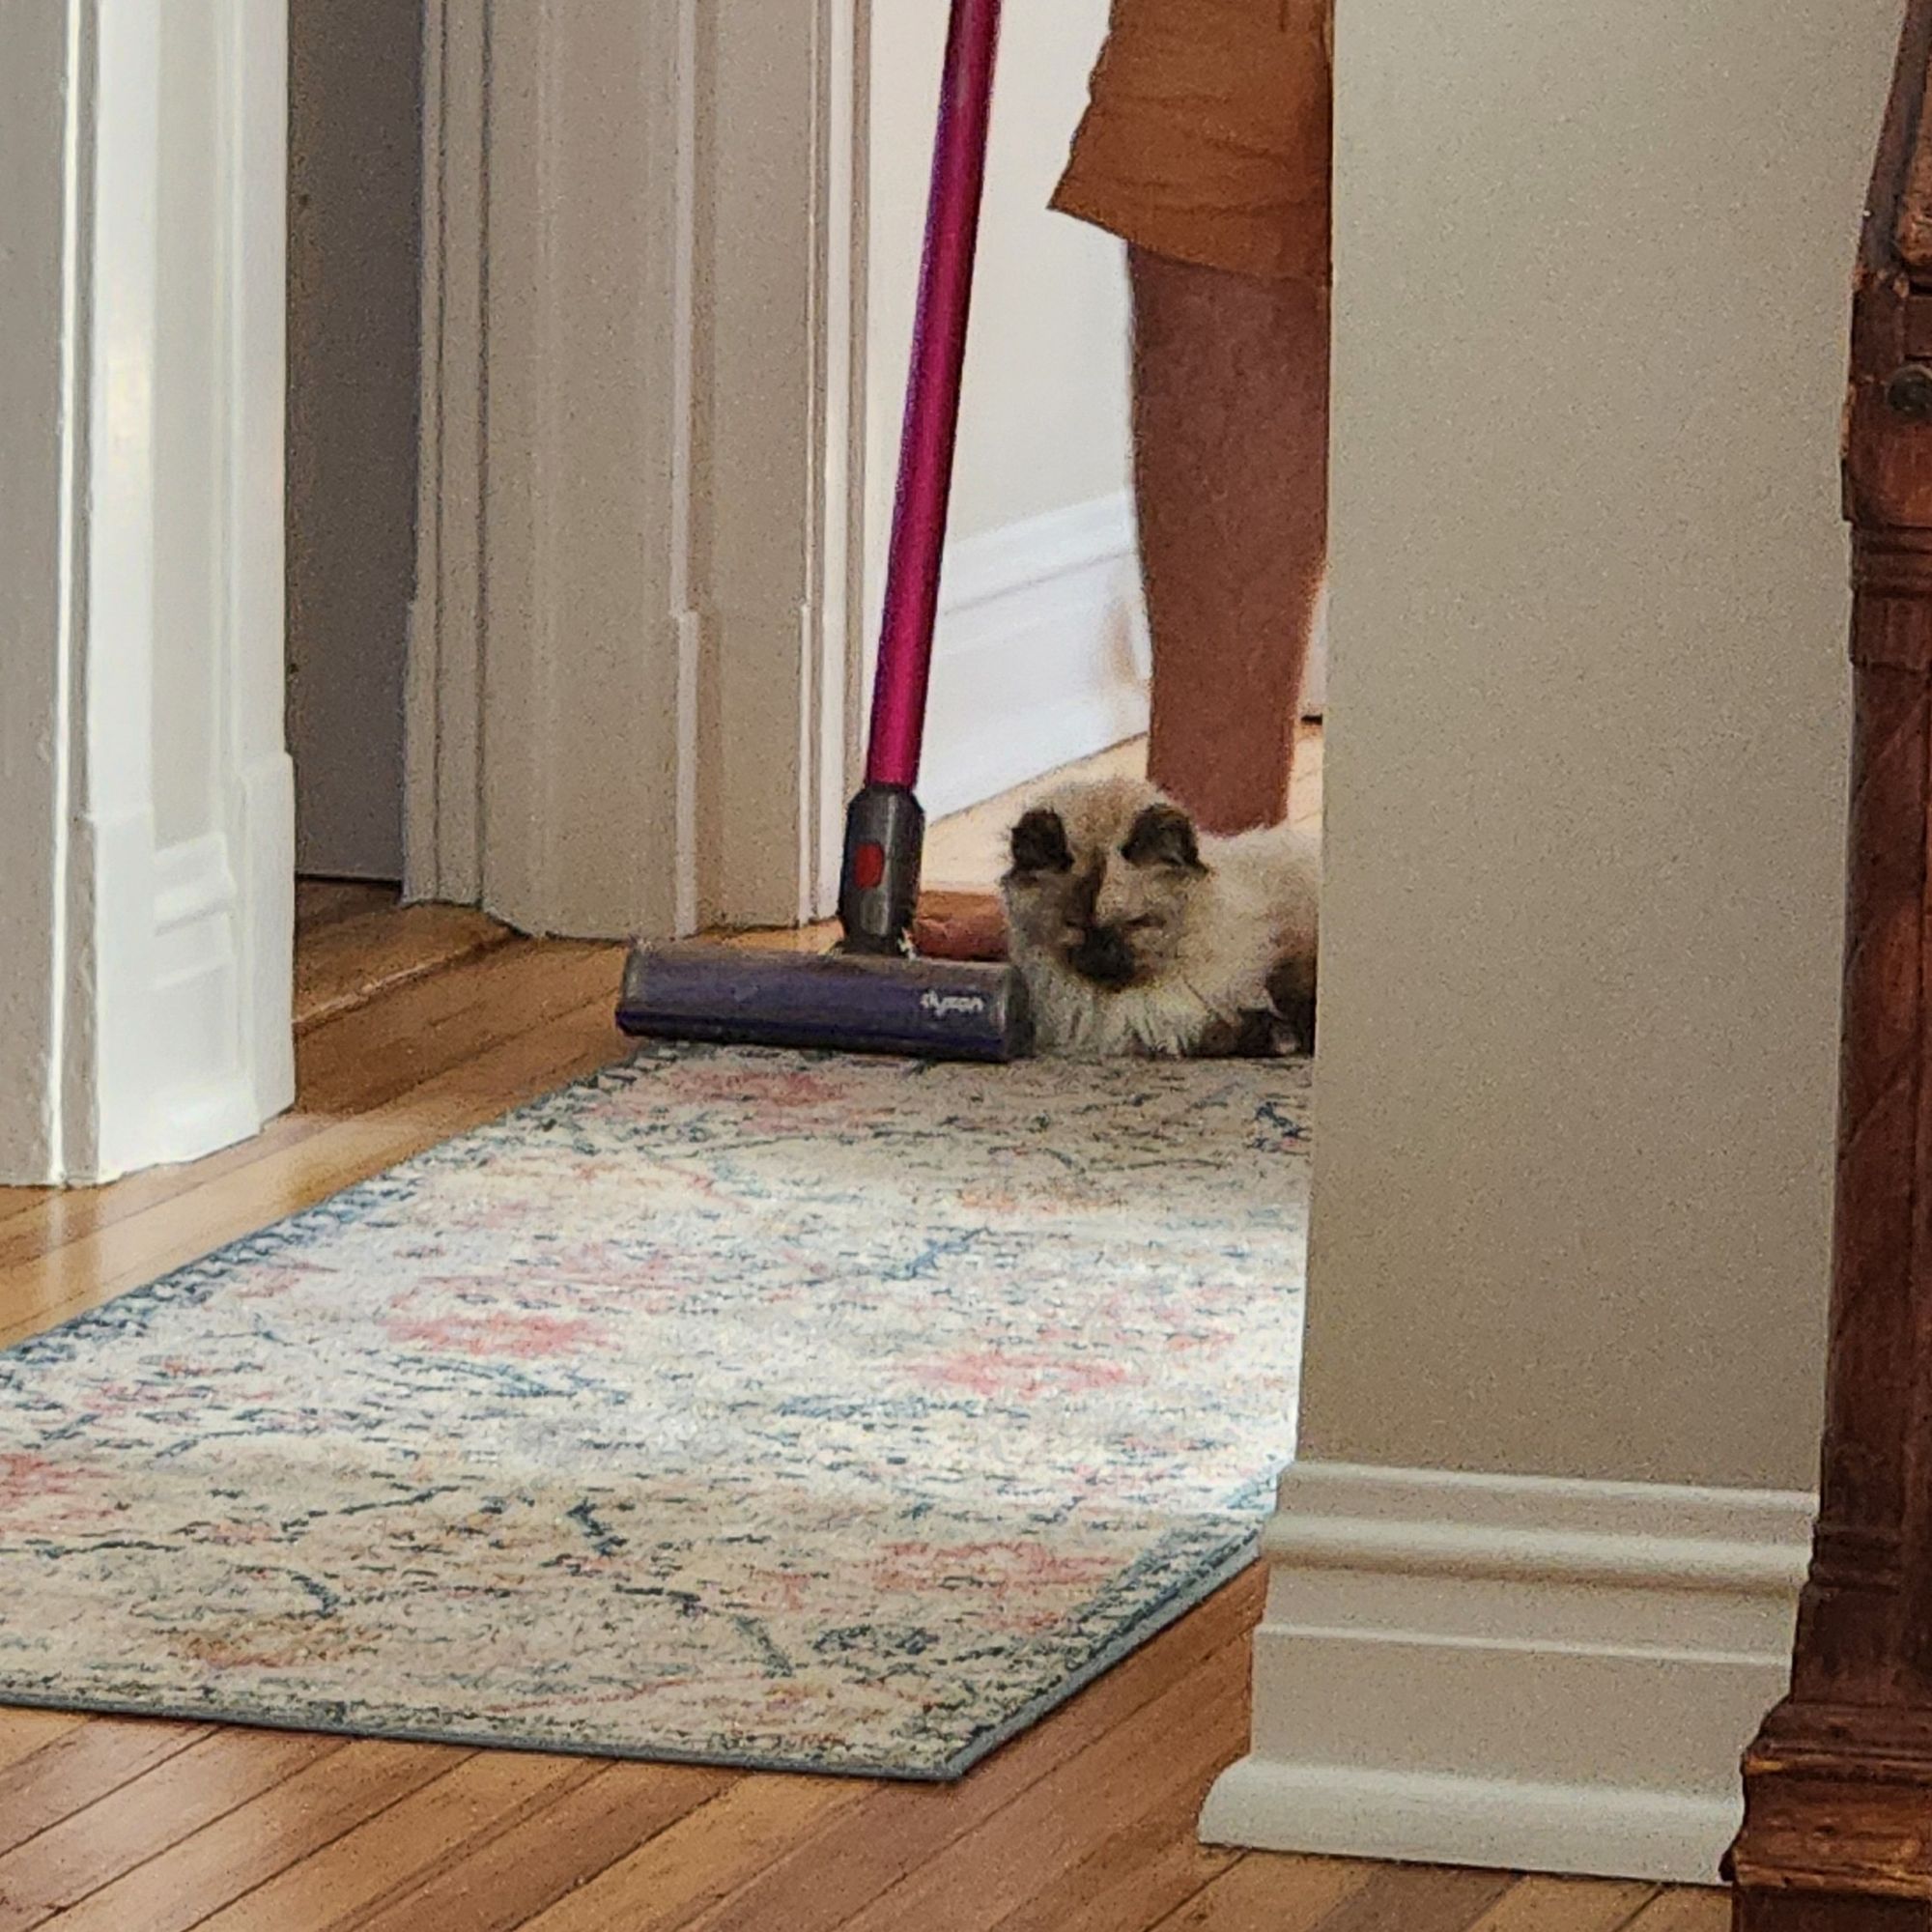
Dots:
pixel 12 1698
pixel 1178 1604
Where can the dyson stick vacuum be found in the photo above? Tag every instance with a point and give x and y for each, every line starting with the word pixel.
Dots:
pixel 873 994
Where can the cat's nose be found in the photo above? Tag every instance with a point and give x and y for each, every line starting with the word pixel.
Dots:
pixel 1104 956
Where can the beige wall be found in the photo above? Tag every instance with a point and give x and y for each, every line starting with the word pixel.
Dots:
pixel 1044 422
pixel 1036 662
pixel 1588 718
pixel 355 189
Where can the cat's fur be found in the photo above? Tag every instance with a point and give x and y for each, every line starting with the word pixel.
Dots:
pixel 1137 935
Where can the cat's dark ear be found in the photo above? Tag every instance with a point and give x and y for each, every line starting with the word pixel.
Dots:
pixel 1163 835
pixel 1038 843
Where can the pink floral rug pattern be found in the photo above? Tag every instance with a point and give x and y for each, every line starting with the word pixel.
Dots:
pixel 747 1408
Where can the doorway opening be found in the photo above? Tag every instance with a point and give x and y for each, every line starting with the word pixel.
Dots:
pixel 355 224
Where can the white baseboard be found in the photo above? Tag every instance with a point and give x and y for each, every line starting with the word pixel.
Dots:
pixel 186 1048
pixel 1516 1672
pixel 265 834
pixel 1035 660
pixel 200 1096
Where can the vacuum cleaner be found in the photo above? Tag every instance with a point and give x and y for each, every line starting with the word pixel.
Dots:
pixel 871 993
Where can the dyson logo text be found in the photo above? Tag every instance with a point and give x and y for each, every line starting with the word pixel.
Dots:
pixel 944 1006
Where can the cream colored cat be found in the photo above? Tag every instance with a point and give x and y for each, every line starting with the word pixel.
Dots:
pixel 1136 934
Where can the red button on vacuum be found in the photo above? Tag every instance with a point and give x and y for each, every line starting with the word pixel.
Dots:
pixel 868 866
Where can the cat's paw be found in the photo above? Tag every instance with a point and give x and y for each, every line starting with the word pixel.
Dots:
pixel 1257 1035
pixel 1291 988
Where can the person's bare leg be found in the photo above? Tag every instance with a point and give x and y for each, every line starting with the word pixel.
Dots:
pixel 1231 486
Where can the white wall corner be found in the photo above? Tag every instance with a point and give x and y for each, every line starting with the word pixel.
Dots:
pixel 1036 660
pixel 1515 1672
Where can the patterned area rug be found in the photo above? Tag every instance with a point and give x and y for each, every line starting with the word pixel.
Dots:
pixel 756 1409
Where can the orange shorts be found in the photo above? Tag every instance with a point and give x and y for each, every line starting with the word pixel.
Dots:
pixel 1206 135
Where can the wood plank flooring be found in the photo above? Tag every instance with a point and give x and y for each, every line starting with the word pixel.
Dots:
pixel 1085 1824
pixel 355 941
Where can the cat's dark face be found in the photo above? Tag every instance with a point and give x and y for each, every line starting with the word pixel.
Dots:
pixel 1101 879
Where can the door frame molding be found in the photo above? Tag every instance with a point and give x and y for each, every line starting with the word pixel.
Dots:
pixel 681 548
pixel 145 953
pixel 680 541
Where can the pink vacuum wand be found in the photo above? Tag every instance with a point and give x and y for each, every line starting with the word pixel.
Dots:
pixel 885 828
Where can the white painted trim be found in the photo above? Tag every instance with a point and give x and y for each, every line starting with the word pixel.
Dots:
pixel 1037 660
pixel 632 682
pixel 1511 1671
pixel 1419 1818
pixel 107 972
pixel 257 807
pixel 836 647
pixel 159 977
pixel 194 993
pixel 46 160
pixel 443 701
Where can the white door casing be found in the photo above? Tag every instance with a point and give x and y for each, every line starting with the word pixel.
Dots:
pixel 641 518
pixel 148 856
pixel 640 460
pixel 34 578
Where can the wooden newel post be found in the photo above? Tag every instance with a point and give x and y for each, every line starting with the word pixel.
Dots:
pixel 1837 1831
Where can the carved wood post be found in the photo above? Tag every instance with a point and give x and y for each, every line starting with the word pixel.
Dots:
pixel 1838 1833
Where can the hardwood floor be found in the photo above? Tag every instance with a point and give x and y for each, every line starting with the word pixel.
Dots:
pixel 1085 1824
pixel 353 941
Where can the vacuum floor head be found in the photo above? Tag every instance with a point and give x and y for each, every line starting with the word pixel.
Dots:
pixel 853 1003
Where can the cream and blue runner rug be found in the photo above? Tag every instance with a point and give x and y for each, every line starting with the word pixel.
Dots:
pixel 756 1409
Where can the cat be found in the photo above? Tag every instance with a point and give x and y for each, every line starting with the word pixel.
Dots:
pixel 1136 934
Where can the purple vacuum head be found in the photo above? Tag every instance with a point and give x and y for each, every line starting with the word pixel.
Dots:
pixel 929 1009
pixel 870 997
